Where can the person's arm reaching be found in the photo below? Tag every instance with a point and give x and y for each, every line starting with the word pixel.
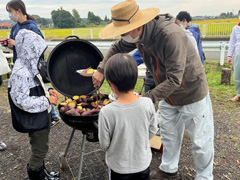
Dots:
pixel 119 46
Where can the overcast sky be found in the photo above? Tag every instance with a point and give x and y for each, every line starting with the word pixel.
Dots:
pixel 43 8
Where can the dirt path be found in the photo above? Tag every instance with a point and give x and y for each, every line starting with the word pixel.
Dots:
pixel 13 160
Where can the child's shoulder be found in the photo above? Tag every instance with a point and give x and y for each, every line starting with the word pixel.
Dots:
pixel 108 107
pixel 145 99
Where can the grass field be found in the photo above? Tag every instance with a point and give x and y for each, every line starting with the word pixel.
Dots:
pixel 216 27
pixel 212 21
pixel 211 28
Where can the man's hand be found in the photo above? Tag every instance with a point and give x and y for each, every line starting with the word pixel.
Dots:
pixel 11 43
pixel 54 93
pixel 229 61
pixel 53 100
pixel 97 79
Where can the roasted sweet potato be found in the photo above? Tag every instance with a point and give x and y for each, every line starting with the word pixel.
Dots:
pixel 73 112
pixel 73 104
pixel 83 104
pixel 89 99
pixel 63 103
pixel 75 97
pixel 94 97
pixel 80 111
pixel 70 112
pixel 95 111
pixel 93 104
pixel 85 70
pixel 86 113
pixel 68 100
pixel 79 100
pixel 64 109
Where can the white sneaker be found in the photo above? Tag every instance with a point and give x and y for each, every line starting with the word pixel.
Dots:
pixel 2 146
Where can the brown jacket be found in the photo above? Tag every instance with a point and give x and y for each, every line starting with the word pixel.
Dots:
pixel 172 60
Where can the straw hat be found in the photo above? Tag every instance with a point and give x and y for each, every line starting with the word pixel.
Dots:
pixel 127 16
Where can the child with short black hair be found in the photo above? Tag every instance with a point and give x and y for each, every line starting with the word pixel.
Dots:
pixel 126 125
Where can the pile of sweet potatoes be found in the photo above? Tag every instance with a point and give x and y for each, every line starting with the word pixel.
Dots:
pixel 84 105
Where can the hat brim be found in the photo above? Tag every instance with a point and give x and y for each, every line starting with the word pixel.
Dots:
pixel 112 31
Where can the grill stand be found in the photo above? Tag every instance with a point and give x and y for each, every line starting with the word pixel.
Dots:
pixel 81 157
pixel 63 160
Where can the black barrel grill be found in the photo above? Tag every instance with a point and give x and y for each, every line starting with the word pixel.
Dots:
pixel 63 62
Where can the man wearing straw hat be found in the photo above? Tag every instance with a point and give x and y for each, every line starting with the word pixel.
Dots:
pixel 182 90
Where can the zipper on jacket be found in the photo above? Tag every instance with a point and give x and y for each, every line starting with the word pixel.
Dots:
pixel 170 100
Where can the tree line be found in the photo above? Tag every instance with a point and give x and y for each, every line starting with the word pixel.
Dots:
pixel 64 19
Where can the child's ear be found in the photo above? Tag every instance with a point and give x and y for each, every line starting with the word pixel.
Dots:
pixel 112 86
pixel 109 82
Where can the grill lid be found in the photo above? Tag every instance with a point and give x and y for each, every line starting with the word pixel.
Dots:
pixel 68 57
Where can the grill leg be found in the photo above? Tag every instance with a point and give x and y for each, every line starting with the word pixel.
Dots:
pixel 81 157
pixel 69 143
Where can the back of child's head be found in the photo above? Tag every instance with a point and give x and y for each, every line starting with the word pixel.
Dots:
pixel 122 71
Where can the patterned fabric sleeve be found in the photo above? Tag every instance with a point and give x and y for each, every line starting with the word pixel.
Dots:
pixel 20 94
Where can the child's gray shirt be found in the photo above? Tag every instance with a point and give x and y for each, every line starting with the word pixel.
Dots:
pixel 125 130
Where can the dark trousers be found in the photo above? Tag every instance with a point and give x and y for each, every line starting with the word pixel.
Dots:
pixel 143 175
pixel 39 147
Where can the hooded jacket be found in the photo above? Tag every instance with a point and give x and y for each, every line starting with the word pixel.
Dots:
pixel 172 60
pixel 30 25
pixel 28 101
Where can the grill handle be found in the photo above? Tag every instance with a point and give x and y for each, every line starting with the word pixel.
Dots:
pixel 72 36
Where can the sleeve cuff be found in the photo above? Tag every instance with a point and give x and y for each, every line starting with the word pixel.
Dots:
pixel 50 88
pixel 100 70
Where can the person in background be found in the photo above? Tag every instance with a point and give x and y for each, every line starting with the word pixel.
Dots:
pixel 126 125
pixel 18 14
pixel 234 57
pixel 186 23
pixel 30 103
pixel 181 91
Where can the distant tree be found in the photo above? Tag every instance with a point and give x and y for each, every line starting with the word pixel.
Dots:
pixel 62 18
pixel 106 19
pixel 37 17
pixel 93 19
pixel 227 15
pixel 77 18
pixel 42 21
pixel 223 14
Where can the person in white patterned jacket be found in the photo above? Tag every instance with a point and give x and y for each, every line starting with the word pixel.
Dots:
pixel 30 104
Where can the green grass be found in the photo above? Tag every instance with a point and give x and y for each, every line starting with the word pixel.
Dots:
pixel 220 94
pixel 106 89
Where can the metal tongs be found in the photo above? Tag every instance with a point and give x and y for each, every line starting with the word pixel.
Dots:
pixel 98 92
